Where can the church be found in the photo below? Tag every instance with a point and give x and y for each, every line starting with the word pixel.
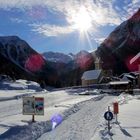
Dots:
pixel 95 76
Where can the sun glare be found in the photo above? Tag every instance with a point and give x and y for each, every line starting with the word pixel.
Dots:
pixel 82 20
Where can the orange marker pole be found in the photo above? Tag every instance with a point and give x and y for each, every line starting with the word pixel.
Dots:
pixel 116 110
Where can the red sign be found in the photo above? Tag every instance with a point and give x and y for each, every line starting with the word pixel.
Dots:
pixel 33 106
pixel 39 106
pixel 116 108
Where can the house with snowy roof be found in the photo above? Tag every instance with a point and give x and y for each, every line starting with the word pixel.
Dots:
pixel 96 76
pixel 93 76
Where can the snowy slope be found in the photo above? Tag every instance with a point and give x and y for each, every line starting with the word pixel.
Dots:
pixel 10 90
pixel 20 85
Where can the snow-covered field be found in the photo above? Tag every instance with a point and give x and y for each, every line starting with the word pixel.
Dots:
pixel 13 125
pixel 82 115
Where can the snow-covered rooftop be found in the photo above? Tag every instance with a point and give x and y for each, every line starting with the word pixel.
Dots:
pixel 129 76
pixel 92 74
pixel 125 78
pixel 119 82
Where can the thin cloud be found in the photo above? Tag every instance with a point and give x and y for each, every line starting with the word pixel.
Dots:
pixel 99 40
pixel 131 8
pixel 17 20
pixel 51 30
pixel 102 12
pixel 101 9
pixel 135 1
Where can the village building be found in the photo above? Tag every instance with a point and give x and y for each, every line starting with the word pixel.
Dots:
pixel 93 76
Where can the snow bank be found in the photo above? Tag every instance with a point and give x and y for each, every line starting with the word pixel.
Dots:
pixel 27 132
pixel 19 85
pixel 10 89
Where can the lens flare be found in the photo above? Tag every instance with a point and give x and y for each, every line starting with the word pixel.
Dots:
pixel 56 120
pixel 134 66
pixel 84 61
pixel 34 63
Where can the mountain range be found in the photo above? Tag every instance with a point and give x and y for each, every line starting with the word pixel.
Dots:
pixel 20 61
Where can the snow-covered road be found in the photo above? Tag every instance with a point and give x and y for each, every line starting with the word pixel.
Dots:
pixel 82 124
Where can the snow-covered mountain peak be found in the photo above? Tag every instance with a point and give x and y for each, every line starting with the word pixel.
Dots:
pixel 23 61
pixel 57 57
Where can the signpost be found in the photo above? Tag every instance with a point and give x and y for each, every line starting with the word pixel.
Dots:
pixel 108 116
pixel 33 106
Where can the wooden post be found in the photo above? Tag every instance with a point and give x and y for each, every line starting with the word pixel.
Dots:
pixel 33 118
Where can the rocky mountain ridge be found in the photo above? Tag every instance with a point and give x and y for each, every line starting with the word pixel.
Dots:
pixel 121 46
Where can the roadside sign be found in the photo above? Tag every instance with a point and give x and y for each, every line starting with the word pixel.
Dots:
pixel 33 106
pixel 39 106
pixel 28 106
pixel 108 116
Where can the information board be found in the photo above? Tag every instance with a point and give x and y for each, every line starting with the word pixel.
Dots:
pixel 28 106
pixel 33 106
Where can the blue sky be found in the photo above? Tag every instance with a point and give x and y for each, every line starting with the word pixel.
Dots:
pixel 53 25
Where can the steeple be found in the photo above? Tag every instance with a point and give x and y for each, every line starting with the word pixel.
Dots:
pixel 98 63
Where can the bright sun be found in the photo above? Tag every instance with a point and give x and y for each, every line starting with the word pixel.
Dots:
pixel 82 20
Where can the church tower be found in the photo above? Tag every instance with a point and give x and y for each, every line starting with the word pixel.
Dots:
pixel 98 64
